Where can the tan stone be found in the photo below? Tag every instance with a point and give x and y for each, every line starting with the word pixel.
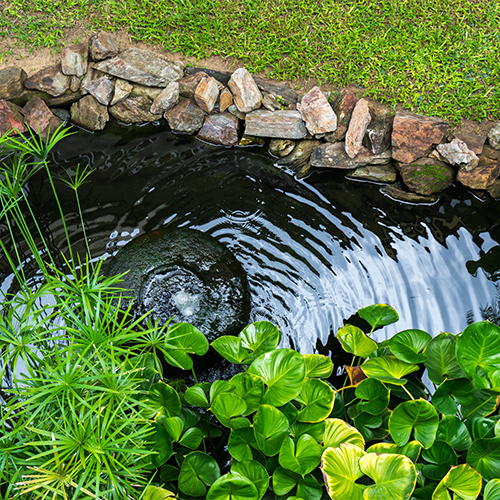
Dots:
pixel 277 124
pixel 89 114
pixel 122 91
pixel 357 127
pixel 225 100
pixel 101 89
pixel 317 112
pixel 74 60
pixel 167 99
pixel 206 94
pixel 246 94
pixel 102 46
pixel 482 176
pixel 51 80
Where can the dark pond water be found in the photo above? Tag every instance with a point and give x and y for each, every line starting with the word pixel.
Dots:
pixel 315 250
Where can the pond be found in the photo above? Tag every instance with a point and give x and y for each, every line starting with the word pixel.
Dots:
pixel 315 250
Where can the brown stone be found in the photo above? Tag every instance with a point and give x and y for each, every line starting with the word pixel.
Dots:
pixel 343 105
pixel 188 84
pixel 374 173
pixel 220 129
pixel 39 117
pixel 317 112
pixel 51 80
pixel 378 133
pixel 413 135
pixel 357 127
pixel 494 190
pixel 166 99
pixel 11 82
pixel 74 60
pixel 236 112
pixel 89 114
pixel 145 91
pixel 427 176
pixel 277 124
pixel 494 136
pixel 246 94
pixel 122 91
pixel 482 176
pixel 186 117
pixel 489 152
pixel 333 155
pixel 281 147
pixel 456 152
pixel 300 154
pixel 63 100
pixel 399 194
pixel 225 99
pixel 279 91
pixel 250 140
pixel 474 142
pixel 11 120
pixel 102 46
pixel 270 103
pixel 74 84
pixel 101 88
pixel 134 110
pixel 206 94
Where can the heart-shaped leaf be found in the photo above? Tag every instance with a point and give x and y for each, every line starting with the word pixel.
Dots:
pixel 231 348
pixel 271 428
pixel 228 405
pixel 479 347
pixel 341 471
pixel 233 486
pixel 409 344
pixel 250 388
pixel 394 476
pixel 198 470
pixel 283 371
pixel 155 493
pixel 462 480
pixel 481 428
pixel 451 392
pixel 453 431
pixel 219 387
pixel 302 456
pixel 315 430
pixel 181 340
pixel 492 490
pixel 197 395
pixel 290 412
pixel 337 432
pixel 440 457
pixel 374 395
pixel 418 416
pixel 192 438
pixel 484 456
pixel 318 366
pixel 174 426
pixel 284 480
pixel 388 369
pixel 254 471
pixel 441 360
pixel 260 337
pixel 411 450
pixel 240 443
pixel 317 399
pixel 378 315
pixel 483 404
pixel 309 487
pixel 164 400
pixel 354 341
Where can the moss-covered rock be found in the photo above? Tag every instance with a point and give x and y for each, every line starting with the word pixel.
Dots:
pixel 427 176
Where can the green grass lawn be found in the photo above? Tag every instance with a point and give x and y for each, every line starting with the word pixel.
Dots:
pixel 438 57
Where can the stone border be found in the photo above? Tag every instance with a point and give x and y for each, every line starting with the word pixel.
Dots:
pixel 411 154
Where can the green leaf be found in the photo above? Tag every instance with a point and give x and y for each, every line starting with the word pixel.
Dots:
pixel 337 432
pixel 174 426
pixel 290 412
pixel 341 470
pixel 354 341
pixel 462 480
pixel 254 471
pixel 302 456
pixel 492 490
pixel 497 429
pixel 409 344
pixel 394 476
pixel 228 405
pixel 484 456
pixel 250 388
pixel 192 438
pixel 164 399
pixel 418 416
pixel 317 399
pixel 318 366
pixel 271 428
pixel 483 404
pixel 181 340
pixel 161 443
pixel 231 348
pixel 190 417
pixel 315 430
pixel 308 487
pixel 388 369
pixel 452 431
pixel 441 360
pixel 410 450
pixel 378 315
pixel 197 395
pixel 375 395
pixel 240 442
pixel 233 486
pixel 283 371
pixel 284 480
pixel 479 347
pixel 260 337
pixel 220 387
pixel 169 473
pixel 155 493
pixel 372 426
pixel 451 392
pixel 440 457
pixel 481 428
pixel 198 470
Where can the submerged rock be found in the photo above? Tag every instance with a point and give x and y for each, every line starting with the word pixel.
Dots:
pixel 188 275
pixel 396 193
pixel 281 147
pixel 374 173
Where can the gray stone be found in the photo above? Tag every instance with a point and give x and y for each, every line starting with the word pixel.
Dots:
pixel 11 120
pixel 206 94
pixel 11 82
pixel 278 124
pixel 75 84
pixel 246 94
pixel 39 117
pixel 144 67
pixel 101 89
pixel 374 173
pixel 427 176
pixel 51 80
pixel 102 46
pixel 281 147
pixel 74 60
pixel 456 152
pixel 343 105
pixel 166 99
pixel 378 133
pixel 300 155
pixel 63 100
pixel 188 84
pixel 186 117
pixel 357 127
pixel 399 194
pixel 333 155
pixel 225 100
pixel 482 176
pixel 63 115
pixel 317 112
pixel 280 91
pixel 220 129
pixel 134 110
pixel 270 102
pixel 122 91
pixel 89 114
pixel 494 136
pixel 236 112
pixel 145 91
